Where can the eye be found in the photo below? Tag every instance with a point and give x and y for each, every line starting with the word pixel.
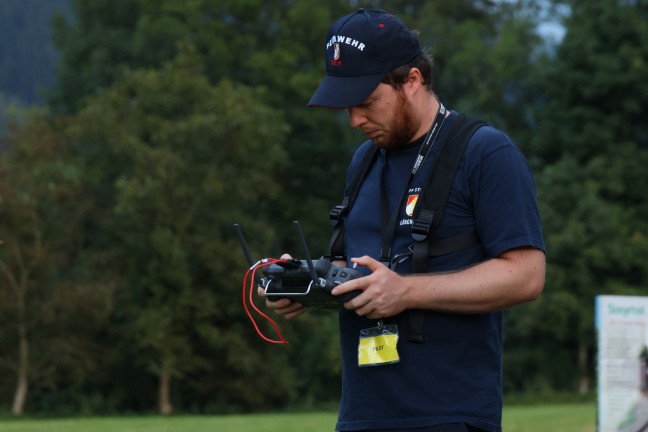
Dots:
pixel 367 103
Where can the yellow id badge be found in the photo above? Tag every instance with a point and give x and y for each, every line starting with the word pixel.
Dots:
pixel 378 346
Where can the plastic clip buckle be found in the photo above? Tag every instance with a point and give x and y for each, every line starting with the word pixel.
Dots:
pixel 336 213
pixel 421 225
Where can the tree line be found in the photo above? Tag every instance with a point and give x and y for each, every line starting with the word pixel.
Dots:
pixel 120 271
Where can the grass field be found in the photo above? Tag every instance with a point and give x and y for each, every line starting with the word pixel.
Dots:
pixel 546 418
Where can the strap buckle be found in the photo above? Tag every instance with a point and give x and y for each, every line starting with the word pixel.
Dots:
pixel 385 256
pixel 333 257
pixel 422 224
pixel 336 213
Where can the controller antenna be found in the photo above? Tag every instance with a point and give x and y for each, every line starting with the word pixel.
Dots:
pixel 246 252
pixel 311 268
pixel 244 245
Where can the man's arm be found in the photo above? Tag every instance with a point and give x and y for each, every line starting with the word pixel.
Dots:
pixel 515 277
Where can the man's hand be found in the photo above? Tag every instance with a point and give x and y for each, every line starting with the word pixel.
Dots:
pixel 383 291
pixel 286 307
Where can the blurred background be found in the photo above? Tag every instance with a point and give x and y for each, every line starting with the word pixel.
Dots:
pixel 135 133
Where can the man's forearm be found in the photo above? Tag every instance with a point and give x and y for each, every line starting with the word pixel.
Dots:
pixel 517 276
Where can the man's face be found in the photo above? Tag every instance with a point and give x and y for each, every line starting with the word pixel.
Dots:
pixel 386 117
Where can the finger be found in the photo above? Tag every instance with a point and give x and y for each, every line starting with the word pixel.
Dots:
pixel 286 256
pixel 358 302
pixel 348 286
pixel 290 308
pixel 370 263
pixel 296 313
pixel 364 311
pixel 370 311
pixel 374 315
pixel 279 304
pixel 292 311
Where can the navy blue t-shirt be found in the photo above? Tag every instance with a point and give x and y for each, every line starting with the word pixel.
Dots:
pixel 455 375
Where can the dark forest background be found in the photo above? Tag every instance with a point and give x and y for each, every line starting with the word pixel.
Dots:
pixel 136 132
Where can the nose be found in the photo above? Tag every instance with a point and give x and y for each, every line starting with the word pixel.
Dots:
pixel 356 117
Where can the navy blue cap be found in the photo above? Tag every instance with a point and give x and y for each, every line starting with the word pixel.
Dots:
pixel 361 48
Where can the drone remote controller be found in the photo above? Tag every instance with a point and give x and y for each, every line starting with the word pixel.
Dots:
pixel 294 280
pixel 304 281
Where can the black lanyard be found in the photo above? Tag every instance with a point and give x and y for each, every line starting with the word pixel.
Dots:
pixel 387 231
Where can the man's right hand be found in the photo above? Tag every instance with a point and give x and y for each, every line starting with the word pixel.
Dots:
pixel 286 307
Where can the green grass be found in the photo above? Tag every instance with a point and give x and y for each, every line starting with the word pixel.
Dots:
pixel 232 423
pixel 554 418
pixel 550 418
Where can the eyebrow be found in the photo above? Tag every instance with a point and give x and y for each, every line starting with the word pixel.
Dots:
pixel 367 101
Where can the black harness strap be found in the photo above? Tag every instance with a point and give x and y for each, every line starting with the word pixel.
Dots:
pixel 431 204
pixel 336 216
pixel 428 212
pixel 429 209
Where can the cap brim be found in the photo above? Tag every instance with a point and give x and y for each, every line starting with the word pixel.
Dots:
pixel 339 92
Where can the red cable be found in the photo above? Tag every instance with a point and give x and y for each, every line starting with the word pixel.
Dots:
pixel 253 269
pixel 252 285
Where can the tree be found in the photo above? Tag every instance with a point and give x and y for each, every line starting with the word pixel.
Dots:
pixel 166 104
pixel 39 229
pixel 484 54
pixel 274 45
pixel 592 139
pixel 595 91
pixel 175 162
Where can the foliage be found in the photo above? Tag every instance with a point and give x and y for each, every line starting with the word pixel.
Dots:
pixel 483 52
pixel 595 91
pixel 274 46
pixel 592 142
pixel 173 120
pixel 41 212
pixel 171 169
pixel 11 112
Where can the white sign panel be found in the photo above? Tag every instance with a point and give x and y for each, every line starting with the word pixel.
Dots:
pixel 622 324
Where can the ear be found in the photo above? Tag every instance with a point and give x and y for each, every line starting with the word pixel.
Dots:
pixel 414 80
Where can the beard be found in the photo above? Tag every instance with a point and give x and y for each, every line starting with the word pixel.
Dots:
pixel 403 126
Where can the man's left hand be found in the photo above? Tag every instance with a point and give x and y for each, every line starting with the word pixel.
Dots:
pixel 383 291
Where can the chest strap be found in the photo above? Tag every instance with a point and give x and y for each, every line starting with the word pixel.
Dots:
pixel 428 212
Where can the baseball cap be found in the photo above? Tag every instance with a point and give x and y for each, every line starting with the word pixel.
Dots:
pixel 361 48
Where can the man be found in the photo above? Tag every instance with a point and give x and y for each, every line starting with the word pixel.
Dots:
pixel 443 374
